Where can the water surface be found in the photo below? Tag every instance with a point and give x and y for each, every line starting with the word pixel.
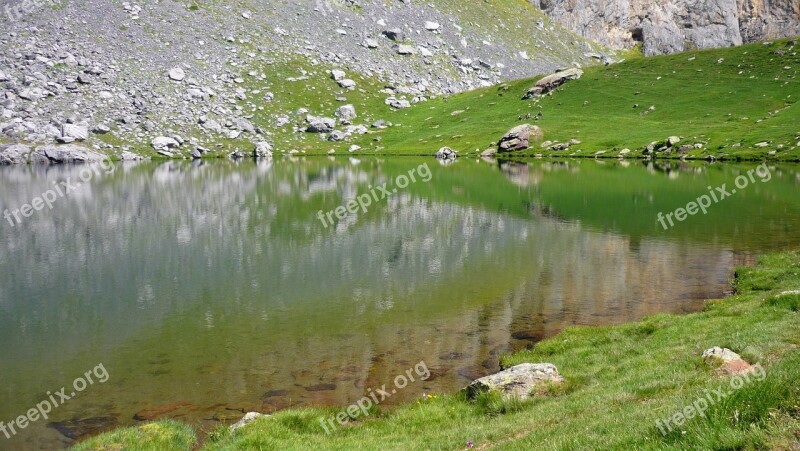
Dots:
pixel 214 288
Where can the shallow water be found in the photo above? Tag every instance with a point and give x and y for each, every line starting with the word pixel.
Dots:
pixel 209 289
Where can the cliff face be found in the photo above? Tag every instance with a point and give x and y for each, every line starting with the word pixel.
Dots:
pixel 675 25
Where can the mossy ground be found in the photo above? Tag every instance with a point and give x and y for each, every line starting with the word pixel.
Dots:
pixel 620 381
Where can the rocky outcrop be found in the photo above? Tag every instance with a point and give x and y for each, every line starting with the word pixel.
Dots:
pixel 519 381
pixel 675 25
pixel 519 138
pixel 14 154
pixel 64 154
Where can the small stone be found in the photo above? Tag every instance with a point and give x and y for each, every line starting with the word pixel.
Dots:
pixel 247 419
pixel 177 74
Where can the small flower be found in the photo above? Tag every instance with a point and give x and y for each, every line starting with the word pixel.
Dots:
pixel 470 444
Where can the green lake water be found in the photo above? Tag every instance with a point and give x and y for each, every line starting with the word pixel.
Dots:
pixel 211 289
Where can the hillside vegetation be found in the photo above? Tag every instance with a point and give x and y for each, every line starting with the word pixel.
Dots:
pixel 735 102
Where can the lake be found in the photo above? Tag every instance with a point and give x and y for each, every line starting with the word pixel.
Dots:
pixel 211 289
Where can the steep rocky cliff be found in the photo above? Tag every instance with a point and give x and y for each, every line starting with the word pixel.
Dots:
pixel 675 25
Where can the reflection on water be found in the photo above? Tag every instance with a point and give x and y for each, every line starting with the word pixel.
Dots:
pixel 211 289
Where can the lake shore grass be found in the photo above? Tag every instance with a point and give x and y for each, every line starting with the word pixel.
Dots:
pixel 620 382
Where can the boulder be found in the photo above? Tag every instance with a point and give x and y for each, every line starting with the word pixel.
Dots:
pixel 519 138
pixel 320 124
pixel 65 154
pixel 263 150
pixel 76 132
pixel 177 74
pixel 347 83
pixel 164 142
pixel 446 153
pixel 336 136
pixel 551 82
pixel 14 154
pixel 346 114
pixel 405 49
pixel 395 34
pixel 337 75
pixel 516 382
pixel 727 361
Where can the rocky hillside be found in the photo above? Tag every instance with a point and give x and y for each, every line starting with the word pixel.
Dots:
pixel 188 78
pixel 676 25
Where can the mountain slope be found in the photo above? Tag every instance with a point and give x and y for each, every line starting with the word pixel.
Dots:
pixel 223 75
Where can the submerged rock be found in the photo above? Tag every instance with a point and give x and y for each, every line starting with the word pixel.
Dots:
pixel 78 428
pixel 518 381
pixel 153 413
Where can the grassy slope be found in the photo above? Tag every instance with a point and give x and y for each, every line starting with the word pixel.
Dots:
pixel 728 98
pixel 620 380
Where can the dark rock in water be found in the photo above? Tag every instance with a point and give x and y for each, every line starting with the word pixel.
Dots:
pixel 78 428
pixel 491 364
pixel 472 372
pixel 153 413
pixel 274 393
pixel 533 335
pixel 322 387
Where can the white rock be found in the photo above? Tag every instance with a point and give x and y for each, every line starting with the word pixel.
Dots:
pixel 177 74
pixel 432 26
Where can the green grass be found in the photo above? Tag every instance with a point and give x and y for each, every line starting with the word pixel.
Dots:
pixel 152 436
pixel 727 99
pixel 620 380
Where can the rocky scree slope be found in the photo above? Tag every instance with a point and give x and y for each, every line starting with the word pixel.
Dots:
pixel 190 79
pixel 676 25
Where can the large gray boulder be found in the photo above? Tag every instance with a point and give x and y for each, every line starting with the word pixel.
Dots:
pixel 14 154
pixel 346 114
pixel 68 153
pixel 519 138
pixel 263 150
pixel 320 124
pixel 76 132
pixel 516 382
pixel 551 82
